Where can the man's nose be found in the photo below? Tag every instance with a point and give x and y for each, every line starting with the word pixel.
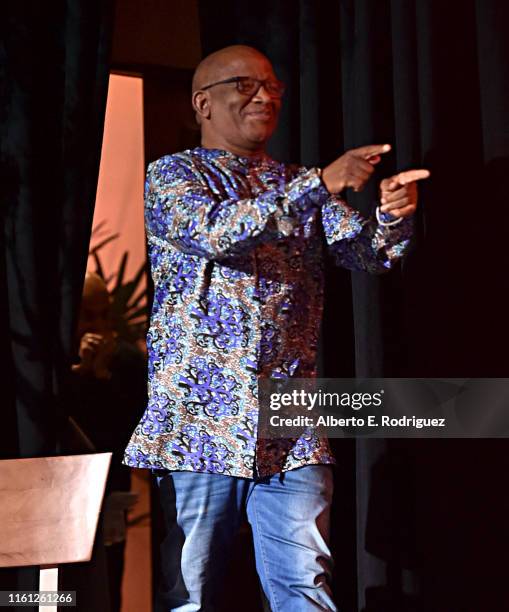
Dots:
pixel 262 94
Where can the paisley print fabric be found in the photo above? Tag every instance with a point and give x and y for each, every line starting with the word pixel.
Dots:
pixel 236 247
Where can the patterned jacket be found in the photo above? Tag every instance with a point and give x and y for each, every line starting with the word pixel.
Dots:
pixel 236 253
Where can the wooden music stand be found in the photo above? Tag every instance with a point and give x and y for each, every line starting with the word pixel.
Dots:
pixel 49 512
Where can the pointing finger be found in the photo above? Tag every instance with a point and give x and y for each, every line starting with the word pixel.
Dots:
pixel 410 176
pixel 371 150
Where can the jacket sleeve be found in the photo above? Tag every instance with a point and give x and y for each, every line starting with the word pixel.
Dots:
pixel 357 243
pixel 183 210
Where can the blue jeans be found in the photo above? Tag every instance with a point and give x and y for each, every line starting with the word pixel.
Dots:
pixel 289 517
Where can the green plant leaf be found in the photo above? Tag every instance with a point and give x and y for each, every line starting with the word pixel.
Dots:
pixel 137 300
pixel 138 313
pixel 121 271
pixel 98 267
pixel 103 243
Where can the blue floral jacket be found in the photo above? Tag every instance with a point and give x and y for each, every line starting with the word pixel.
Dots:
pixel 236 247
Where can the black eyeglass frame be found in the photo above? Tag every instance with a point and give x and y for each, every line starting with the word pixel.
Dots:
pixel 240 79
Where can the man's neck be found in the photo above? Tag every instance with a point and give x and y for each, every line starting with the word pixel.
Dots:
pixel 213 143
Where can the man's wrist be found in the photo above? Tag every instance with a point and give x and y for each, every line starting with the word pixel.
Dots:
pixel 323 194
pixel 79 368
pixel 385 219
pixel 102 373
pixel 323 177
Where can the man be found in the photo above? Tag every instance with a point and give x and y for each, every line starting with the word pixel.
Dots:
pixel 235 243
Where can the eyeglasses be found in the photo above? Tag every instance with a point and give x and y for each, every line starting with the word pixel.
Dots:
pixel 248 86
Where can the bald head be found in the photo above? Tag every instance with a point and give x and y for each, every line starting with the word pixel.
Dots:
pixel 215 66
pixel 95 306
pixel 94 287
pixel 233 116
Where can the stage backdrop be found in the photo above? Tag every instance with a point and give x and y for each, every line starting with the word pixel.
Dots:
pixel 118 213
pixel 426 521
pixel 53 81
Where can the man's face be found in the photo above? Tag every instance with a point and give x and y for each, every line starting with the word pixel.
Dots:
pixel 95 314
pixel 243 121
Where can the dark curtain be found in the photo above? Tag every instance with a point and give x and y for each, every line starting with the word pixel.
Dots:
pixel 53 83
pixel 419 525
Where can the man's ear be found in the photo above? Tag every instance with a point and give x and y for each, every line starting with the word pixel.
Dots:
pixel 201 104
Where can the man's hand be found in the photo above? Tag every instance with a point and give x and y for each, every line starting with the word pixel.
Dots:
pixel 398 194
pixel 103 356
pixel 95 354
pixel 353 169
pixel 89 345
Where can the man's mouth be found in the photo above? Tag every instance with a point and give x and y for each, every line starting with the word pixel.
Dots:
pixel 263 115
